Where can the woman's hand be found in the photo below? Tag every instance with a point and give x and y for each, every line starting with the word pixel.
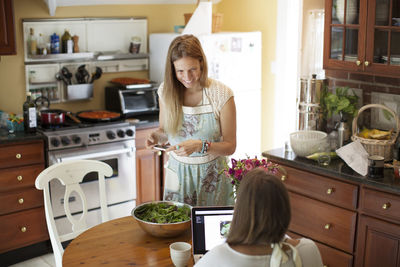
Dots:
pixel 157 137
pixel 187 147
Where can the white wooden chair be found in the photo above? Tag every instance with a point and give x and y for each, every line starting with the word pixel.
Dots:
pixel 70 175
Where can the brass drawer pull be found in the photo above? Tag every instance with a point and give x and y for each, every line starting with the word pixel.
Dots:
pixel 366 63
pixel 21 201
pixel 23 229
pixel 325 265
pixel 19 178
pixel 283 177
pixel 358 62
pixel 386 206
pixel 327 226
pixel 18 156
pixel 330 191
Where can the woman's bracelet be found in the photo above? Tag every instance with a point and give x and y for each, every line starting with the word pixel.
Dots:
pixel 205 146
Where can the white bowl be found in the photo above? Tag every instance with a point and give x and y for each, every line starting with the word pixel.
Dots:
pixel 305 143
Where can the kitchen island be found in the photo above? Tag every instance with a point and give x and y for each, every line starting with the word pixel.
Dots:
pixel 354 220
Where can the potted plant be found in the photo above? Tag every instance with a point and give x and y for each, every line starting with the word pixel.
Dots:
pixel 340 102
pixel 343 104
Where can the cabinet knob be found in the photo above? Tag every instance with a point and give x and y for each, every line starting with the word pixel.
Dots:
pixel 18 156
pixel 21 201
pixel 19 178
pixel 329 191
pixel 358 62
pixel 327 226
pixel 386 206
pixel 283 177
pixel 366 63
pixel 159 153
pixel 325 265
pixel 23 229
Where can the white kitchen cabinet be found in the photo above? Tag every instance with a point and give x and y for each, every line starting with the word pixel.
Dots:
pixel 103 42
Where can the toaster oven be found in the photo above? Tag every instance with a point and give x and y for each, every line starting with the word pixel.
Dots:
pixel 132 100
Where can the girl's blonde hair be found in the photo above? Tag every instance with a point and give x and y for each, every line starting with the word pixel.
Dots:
pixel 172 95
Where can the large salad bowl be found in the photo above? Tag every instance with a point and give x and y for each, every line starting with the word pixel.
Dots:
pixel 150 225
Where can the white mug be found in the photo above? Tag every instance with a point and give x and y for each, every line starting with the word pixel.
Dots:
pixel 180 253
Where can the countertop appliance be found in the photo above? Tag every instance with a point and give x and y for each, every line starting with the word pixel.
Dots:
pixel 131 100
pixel 110 142
pixel 233 58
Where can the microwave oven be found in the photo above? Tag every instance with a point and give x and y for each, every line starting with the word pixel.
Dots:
pixel 132 100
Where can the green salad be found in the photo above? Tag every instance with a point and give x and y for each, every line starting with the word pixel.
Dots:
pixel 162 213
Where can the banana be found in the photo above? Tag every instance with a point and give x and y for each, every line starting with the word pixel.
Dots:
pixel 375 134
pixel 317 154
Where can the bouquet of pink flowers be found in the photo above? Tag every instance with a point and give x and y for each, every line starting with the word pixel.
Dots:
pixel 242 166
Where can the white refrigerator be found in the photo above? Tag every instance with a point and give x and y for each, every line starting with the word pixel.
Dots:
pixel 234 58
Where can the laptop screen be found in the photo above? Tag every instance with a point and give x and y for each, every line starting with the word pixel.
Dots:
pixel 210 226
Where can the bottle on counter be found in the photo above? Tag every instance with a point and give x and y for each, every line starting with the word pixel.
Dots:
pixel 67 43
pixel 30 119
pixel 55 43
pixel 32 42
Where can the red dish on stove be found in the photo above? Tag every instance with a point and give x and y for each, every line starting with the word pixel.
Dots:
pixel 52 117
pixel 98 115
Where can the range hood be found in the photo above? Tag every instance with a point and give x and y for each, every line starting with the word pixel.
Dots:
pixel 53 4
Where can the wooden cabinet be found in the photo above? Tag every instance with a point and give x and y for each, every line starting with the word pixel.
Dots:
pixel 324 210
pixel 7 28
pixel 148 169
pixel 22 218
pixel 378 240
pixel 362 36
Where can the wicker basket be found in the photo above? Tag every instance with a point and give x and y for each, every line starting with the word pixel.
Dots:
pixel 217 19
pixel 382 148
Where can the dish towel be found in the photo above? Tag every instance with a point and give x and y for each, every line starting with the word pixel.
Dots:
pixel 355 155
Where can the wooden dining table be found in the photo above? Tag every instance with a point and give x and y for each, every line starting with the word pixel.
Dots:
pixel 120 242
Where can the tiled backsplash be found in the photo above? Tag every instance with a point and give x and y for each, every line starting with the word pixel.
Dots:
pixel 371 90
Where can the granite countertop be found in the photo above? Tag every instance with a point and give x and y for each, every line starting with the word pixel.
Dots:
pixel 337 169
pixel 6 137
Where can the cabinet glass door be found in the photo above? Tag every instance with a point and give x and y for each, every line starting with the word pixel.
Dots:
pixel 386 31
pixel 344 30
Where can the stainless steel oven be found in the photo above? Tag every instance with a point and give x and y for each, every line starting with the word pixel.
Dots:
pixel 132 99
pixel 113 144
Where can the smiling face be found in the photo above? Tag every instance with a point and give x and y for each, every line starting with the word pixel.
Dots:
pixel 188 71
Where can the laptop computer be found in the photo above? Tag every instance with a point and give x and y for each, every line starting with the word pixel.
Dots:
pixel 210 226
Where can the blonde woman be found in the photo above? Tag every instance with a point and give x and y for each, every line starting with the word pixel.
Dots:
pixel 260 220
pixel 198 119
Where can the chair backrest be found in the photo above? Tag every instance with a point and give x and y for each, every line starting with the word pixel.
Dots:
pixel 70 174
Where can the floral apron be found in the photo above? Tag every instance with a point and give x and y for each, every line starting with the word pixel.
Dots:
pixel 195 179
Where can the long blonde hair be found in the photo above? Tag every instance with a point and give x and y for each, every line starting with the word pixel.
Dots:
pixel 172 95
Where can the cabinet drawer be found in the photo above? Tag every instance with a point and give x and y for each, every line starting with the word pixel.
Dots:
pixel 323 222
pixel 13 231
pixel 19 154
pixel 20 200
pixel 380 203
pixel 141 136
pixel 322 188
pixel 15 178
pixel 330 257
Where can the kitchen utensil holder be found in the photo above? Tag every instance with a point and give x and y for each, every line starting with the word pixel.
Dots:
pixel 382 148
pixel 79 91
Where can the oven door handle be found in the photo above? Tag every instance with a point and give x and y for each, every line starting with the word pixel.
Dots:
pixel 128 150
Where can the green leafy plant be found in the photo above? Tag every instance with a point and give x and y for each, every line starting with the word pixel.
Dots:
pixel 340 102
